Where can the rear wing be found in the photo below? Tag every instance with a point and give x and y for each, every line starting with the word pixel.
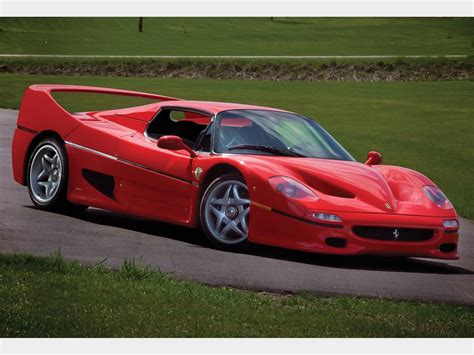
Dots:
pixel 39 111
pixel 49 89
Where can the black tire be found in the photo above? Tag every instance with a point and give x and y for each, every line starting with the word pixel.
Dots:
pixel 240 243
pixel 58 201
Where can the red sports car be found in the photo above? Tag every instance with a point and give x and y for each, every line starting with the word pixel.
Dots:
pixel 242 173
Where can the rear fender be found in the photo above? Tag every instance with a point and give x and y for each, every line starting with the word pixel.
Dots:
pixel 40 112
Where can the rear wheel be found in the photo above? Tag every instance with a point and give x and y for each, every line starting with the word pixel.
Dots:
pixel 47 177
pixel 225 209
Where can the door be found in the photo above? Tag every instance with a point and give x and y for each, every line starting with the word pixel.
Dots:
pixel 154 182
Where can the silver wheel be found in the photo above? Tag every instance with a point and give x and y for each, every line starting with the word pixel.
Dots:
pixel 45 173
pixel 226 211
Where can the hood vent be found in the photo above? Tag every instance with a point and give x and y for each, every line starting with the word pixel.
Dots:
pixel 328 188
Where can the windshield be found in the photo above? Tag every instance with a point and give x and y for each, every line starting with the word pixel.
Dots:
pixel 274 133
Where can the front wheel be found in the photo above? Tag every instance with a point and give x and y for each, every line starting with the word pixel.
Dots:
pixel 225 209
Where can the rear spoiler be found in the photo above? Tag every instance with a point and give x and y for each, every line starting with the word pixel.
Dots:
pixel 39 111
pixel 50 88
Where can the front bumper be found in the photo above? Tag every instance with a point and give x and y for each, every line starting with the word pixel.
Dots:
pixel 272 227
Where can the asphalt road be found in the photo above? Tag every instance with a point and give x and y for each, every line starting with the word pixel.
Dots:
pixel 98 234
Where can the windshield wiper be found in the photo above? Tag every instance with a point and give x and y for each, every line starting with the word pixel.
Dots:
pixel 269 149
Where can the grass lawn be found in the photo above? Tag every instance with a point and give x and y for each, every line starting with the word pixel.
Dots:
pixel 426 126
pixel 238 36
pixel 48 297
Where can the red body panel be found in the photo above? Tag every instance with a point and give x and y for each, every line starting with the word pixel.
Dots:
pixel 21 142
pixel 291 233
pixel 161 184
pixel 166 195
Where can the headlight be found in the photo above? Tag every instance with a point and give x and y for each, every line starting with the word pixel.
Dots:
pixel 327 217
pixel 437 197
pixel 291 188
pixel 451 223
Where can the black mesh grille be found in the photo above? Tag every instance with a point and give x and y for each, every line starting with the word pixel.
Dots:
pixel 393 233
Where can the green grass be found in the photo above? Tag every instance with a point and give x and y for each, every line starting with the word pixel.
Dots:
pixel 238 36
pixel 426 126
pixel 49 297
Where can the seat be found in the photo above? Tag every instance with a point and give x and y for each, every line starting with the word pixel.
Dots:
pixel 189 131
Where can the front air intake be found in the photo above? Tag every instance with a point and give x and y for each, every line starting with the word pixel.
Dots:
pixel 336 242
pixel 448 247
pixel 393 234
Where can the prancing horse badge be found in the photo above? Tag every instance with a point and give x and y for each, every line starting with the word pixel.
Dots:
pixel 197 172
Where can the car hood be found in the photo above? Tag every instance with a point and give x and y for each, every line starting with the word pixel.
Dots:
pixel 355 187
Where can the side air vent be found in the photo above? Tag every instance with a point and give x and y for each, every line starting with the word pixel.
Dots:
pixel 101 182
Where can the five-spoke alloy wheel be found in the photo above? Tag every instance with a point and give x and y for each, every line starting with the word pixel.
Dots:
pixel 225 209
pixel 47 175
pixel 46 171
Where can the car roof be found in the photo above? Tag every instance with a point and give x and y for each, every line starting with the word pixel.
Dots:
pixel 214 107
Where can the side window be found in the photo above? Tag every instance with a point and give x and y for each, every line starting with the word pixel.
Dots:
pixel 204 141
pixel 176 116
pixel 185 124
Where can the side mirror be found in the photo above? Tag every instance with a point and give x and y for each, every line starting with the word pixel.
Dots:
pixel 374 158
pixel 174 143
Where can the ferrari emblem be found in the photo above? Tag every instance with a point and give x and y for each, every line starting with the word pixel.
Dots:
pixel 387 205
pixel 396 234
pixel 197 172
